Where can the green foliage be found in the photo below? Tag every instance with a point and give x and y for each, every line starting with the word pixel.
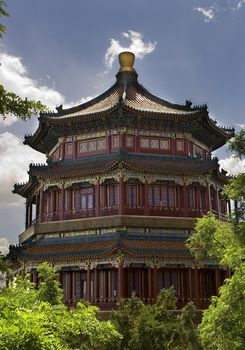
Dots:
pixel 125 319
pixel 10 103
pixel 223 323
pixel 237 144
pixel 158 326
pixel 49 289
pixel 3 264
pixel 235 189
pixel 5 13
pixel 28 322
pixel 215 239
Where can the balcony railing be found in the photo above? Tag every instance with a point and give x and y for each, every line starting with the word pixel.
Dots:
pixel 160 211
pixel 128 210
pixel 131 210
pixel 109 211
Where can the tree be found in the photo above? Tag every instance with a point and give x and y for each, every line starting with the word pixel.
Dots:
pixel 235 189
pixel 155 327
pixel 237 144
pixel 223 323
pixel 28 322
pixel 10 103
pixel 5 13
pixel 49 289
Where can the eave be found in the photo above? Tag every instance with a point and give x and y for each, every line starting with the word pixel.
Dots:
pixel 104 246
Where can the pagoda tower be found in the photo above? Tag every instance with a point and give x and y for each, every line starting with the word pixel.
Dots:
pixel 127 175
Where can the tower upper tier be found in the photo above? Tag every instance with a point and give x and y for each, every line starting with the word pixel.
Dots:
pixel 127 104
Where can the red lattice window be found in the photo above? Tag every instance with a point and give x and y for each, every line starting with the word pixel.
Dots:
pixel 191 198
pixel 110 195
pixel 129 141
pixel 115 141
pixel 68 149
pixel 132 195
pixel 162 196
pixel 165 144
pixel 87 195
pixel 180 145
pixel 95 145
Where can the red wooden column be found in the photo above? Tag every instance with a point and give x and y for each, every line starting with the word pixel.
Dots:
pixel 48 206
pixel 97 189
pixel 61 279
pixel 74 149
pixel 208 197
pixel 27 215
pixel 96 284
pixel 146 193
pixel 62 202
pixel 88 284
pixel 181 284
pixel 196 287
pixel 142 284
pixel 70 287
pixel 73 287
pixel 62 151
pixel 198 198
pixel 190 283
pixel 34 278
pixel 185 201
pixel 30 214
pixel 121 196
pixel 154 284
pixel 218 202
pixel 41 205
pixel 149 284
pixel 120 276
pixel 52 202
pixel 108 143
pixel 36 207
pixel 67 286
pixel 229 207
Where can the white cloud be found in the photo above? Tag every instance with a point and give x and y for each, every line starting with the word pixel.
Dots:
pixel 233 165
pixel 79 102
pixel 14 77
pixel 7 120
pixel 240 3
pixel 4 246
pixel 207 13
pixel 14 162
pixel 241 126
pixel 137 46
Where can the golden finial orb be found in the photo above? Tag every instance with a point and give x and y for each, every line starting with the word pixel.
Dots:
pixel 126 60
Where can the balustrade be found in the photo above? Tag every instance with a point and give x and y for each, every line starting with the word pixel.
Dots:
pixel 160 211
pixel 109 211
pixel 113 199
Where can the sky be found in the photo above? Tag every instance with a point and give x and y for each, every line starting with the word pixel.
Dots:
pixel 62 52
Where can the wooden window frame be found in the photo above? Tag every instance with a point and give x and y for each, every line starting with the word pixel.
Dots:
pixel 152 192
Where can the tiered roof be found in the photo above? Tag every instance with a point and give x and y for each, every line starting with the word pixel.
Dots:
pixel 122 104
pixel 104 164
pixel 110 244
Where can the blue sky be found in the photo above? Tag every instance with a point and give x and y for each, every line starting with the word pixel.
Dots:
pixel 55 51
